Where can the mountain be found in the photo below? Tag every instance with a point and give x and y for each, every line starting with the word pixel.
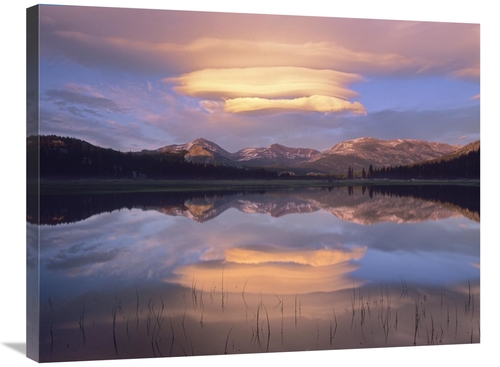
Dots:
pixel 362 152
pixel 358 154
pixel 205 151
pixel 464 163
pixel 66 157
pixel 466 149
pixel 203 158
pixel 276 154
pixel 201 151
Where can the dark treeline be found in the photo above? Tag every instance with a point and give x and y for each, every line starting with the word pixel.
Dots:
pixel 465 197
pixel 465 166
pixel 63 157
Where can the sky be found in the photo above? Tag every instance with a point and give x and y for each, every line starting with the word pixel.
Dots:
pixel 133 79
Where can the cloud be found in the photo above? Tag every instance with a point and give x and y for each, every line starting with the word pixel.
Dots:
pixel 267 277
pixel 313 103
pixel 88 104
pixel 322 257
pixel 144 56
pixel 78 256
pixel 271 88
pixel 173 42
pixel 467 73
pixel 265 82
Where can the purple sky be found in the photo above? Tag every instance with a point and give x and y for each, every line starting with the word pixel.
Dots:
pixel 133 79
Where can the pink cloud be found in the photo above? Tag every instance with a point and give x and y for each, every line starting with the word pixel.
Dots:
pixel 160 41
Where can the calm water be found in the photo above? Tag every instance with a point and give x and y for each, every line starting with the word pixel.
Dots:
pixel 152 275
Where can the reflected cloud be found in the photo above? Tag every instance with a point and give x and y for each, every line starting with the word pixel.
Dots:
pixel 79 256
pixel 268 277
pixel 313 258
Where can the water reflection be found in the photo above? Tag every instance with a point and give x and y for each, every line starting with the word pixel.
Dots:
pixel 254 272
pixel 365 204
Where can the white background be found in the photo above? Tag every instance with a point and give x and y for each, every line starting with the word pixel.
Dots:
pixel 12 171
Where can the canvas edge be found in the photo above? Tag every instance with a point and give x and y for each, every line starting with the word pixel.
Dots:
pixel 32 183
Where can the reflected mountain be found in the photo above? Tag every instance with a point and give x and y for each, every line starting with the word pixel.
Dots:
pixel 362 205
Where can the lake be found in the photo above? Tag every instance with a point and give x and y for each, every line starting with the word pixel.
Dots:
pixel 204 273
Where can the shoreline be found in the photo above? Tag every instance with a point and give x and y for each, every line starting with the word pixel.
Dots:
pixel 113 186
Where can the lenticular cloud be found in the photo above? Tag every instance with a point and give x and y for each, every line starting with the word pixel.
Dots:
pixel 272 88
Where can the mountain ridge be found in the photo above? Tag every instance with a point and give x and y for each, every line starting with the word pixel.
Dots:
pixel 66 155
pixel 355 153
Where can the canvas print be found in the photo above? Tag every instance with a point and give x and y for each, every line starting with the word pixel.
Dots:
pixel 206 183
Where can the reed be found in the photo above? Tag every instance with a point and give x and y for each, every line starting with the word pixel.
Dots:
pixel 183 328
pixel 82 323
pixel 473 308
pixel 136 308
pixel 432 330
pixel 222 289
pixel 173 337
pixel 193 294
pixel 257 322
pixel 201 297
pixel 404 291
pixel 447 317
pixel 51 325
pixel 227 340
pixel 334 331
pixel 268 324
pixel 295 312
pixel 171 327
pixel 417 319
pixel 282 315
pixel 441 303
pixel 113 315
pixel 353 300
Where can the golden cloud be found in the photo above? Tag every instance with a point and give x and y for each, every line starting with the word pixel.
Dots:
pixel 265 82
pixel 270 88
pixel 276 270
pixel 321 257
pixel 313 103
pixel 268 278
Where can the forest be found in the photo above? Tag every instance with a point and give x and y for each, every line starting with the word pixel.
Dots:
pixel 64 157
pixel 465 166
